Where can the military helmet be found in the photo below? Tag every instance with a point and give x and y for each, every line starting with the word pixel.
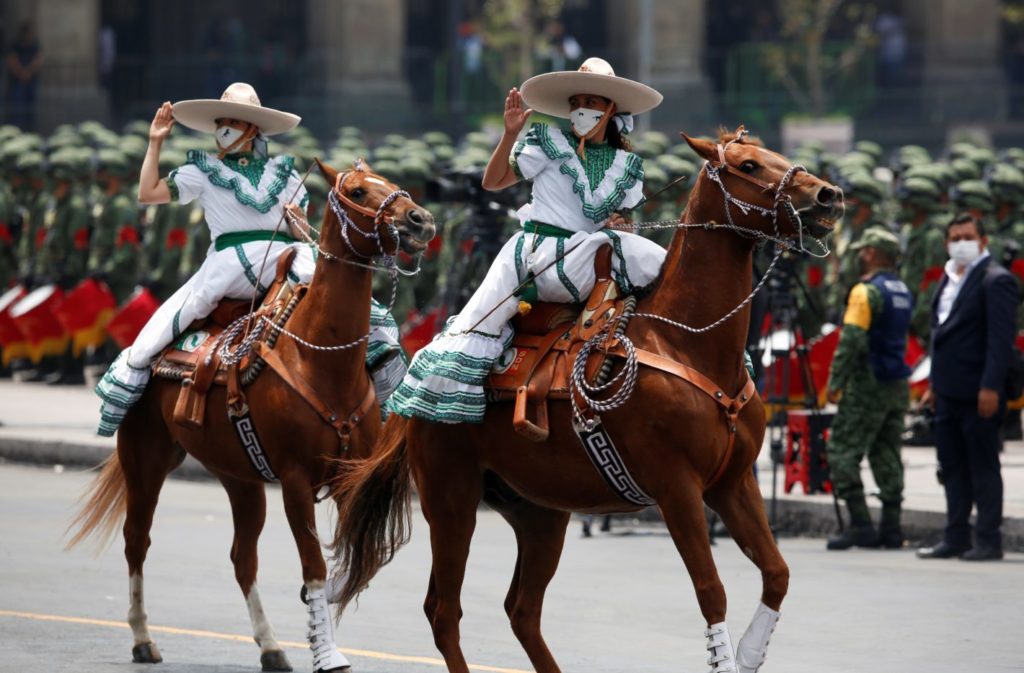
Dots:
pixel 973 194
pixel 919 191
pixel 965 169
pixel 32 162
pixel 1007 183
pixel 862 187
pixel 907 156
pixel 137 127
pixel 960 150
pixel 436 138
pixel 113 162
pixel 869 147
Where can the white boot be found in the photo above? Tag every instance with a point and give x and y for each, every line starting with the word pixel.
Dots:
pixel 326 656
pixel 335 583
pixel 720 653
pixel 753 649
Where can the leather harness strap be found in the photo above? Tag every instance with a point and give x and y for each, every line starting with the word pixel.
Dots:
pixel 343 427
pixel 730 405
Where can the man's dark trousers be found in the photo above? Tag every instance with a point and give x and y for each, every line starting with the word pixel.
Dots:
pixel 968 450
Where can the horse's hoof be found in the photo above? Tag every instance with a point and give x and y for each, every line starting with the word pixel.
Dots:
pixel 275 660
pixel 339 669
pixel 146 653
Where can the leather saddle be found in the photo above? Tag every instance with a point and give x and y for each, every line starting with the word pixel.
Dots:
pixel 538 364
pixel 194 358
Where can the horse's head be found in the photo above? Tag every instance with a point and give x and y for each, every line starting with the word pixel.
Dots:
pixel 377 211
pixel 768 181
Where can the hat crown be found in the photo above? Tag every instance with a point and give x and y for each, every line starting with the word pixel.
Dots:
pixel 243 93
pixel 598 66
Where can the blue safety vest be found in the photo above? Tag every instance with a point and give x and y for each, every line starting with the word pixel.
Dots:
pixel 887 336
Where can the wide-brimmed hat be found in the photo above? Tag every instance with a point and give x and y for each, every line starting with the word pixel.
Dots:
pixel 549 93
pixel 239 101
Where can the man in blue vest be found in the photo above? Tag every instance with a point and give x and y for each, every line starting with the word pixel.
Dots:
pixel 973 324
pixel 869 382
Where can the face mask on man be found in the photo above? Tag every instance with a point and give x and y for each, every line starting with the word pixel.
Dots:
pixel 228 136
pixel 964 252
pixel 585 119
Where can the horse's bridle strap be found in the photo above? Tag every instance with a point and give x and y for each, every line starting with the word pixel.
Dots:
pixel 723 165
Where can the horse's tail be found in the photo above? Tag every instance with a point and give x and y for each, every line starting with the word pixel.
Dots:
pixel 105 507
pixel 373 497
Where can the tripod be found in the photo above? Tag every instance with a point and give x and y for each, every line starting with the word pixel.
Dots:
pixel 784 338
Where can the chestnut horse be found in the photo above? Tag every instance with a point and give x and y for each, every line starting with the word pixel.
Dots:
pixel 366 216
pixel 671 435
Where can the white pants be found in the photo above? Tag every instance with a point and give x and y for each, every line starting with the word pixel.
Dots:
pixel 229 273
pixel 636 262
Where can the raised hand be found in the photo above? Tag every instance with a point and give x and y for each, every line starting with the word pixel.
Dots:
pixel 163 120
pixel 515 115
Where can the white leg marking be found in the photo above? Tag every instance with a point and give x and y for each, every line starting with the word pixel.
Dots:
pixel 262 632
pixel 137 611
pixel 320 631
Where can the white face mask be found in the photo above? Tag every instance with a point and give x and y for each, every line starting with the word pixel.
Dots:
pixel 964 252
pixel 227 136
pixel 584 120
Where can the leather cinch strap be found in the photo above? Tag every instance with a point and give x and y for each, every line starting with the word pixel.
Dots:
pixel 344 426
pixel 730 405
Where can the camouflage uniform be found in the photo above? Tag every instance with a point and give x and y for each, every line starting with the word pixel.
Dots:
pixel 924 251
pixel 873 380
pixel 864 195
pixel 115 245
pixel 64 250
pixel 32 199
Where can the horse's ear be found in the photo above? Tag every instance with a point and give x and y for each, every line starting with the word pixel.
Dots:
pixel 362 164
pixel 739 132
pixel 329 173
pixel 705 148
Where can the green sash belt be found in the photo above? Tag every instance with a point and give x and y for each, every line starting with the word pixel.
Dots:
pixel 225 241
pixel 543 229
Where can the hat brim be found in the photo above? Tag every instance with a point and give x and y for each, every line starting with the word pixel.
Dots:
pixel 549 93
pixel 202 115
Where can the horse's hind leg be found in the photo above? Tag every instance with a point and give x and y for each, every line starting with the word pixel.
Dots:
pixel 683 511
pixel 742 510
pixel 450 491
pixel 540 534
pixel 299 507
pixel 249 511
pixel 147 455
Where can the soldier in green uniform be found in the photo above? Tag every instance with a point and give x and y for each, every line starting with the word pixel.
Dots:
pixel 32 195
pixel 869 381
pixel 922 221
pixel 115 245
pixel 64 251
pixel 10 216
pixel 864 196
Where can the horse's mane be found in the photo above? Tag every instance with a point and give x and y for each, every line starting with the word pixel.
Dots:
pixel 725 136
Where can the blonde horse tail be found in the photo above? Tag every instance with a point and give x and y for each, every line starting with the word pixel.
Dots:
pixel 373 498
pixel 105 505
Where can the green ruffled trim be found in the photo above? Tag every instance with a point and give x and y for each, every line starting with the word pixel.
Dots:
pixel 453 407
pixel 304 201
pixel 513 159
pixel 540 136
pixel 519 257
pixel 622 276
pixel 283 170
pixel 252 171
pixel 176 325
pixel 173 186
pixel 562 275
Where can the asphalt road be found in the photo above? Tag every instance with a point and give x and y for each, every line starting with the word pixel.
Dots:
pixel 620 603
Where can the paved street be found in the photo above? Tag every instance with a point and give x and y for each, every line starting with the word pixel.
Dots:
pixel 619 603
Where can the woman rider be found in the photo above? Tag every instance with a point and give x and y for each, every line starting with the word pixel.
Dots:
pixel 585 183
pixel 244 194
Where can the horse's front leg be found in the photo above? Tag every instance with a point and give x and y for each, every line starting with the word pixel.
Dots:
pixel 249 511
pixel 299 508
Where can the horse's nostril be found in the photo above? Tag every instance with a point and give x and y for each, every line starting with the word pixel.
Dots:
pixel 415 216
pixel 826 195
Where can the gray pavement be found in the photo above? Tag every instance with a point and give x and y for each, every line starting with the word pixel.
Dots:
pixel 43 424
pixel 619 603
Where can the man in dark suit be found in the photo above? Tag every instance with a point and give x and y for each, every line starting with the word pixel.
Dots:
pixel 973 325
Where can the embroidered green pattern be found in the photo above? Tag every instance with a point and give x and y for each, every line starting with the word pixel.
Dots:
pixel 562 275
pixel 263 203
pixel 173 186
pixel 249 166
pixel 249 273
pixel 540 136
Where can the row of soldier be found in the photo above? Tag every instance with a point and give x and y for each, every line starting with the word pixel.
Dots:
pixel 68 215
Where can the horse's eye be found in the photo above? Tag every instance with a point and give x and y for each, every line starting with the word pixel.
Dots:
pixel 358 193
pixel 749 166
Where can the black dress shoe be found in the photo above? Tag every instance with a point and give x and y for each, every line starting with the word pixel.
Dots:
pixel 983 553
pixel 941 550
pixel 855 536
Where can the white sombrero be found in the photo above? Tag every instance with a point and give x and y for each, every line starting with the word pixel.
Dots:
pixel 549 93
pixel 239 101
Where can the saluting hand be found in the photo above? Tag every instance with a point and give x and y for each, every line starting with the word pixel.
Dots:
pixel 515 115
pixel 163 120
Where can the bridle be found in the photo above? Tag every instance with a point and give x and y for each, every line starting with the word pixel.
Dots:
pixel 380 216
pixel 777 192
